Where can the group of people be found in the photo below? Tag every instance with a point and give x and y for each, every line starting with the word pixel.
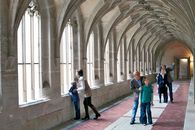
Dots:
pixel 142 85
pixel 143 92
pixel 165 80
pixel 81 82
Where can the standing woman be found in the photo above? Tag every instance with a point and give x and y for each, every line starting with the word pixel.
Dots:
pixel 87 97
pixel 161 83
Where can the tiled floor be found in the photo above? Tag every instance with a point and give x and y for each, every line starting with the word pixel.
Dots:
pixel 117 117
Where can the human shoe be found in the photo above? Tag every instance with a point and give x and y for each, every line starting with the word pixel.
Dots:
pixel 76 118
pixel 132 122
pixel 96 116
pixel 85 118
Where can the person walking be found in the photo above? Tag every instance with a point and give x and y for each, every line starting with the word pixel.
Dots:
pixel 135 85
pixel 87 97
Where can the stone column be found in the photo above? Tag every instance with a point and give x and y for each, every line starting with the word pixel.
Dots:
pixel 98 56
pixel 75 46
pixel 194 72
pixel 137 59
pixel 132 57
pixel 125 59
pixel 4 41
pixel 147 62
pixel 50 64
pixel 111 58
pixel 115 57
pixel 8 69
pixel 143 60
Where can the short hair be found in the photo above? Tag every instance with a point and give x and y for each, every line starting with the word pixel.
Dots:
pixel 145 78
pixel 136 73
pixel 80 72
pixel 74 83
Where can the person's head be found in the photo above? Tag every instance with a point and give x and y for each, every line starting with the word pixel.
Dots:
pixel 74 83
pixel 146 81
pixel 162 70
pixel 136 75
pixel 80 73
pixel 163 67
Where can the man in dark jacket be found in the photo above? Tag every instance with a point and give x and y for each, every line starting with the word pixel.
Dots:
pixel 135 86
pixel 169 80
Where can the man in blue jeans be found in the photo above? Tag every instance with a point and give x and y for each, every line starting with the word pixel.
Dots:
pixel 136 85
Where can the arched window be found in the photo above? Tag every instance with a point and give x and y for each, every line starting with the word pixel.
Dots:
pixel 66 56
pixel 29 56
pixel 90 59
pixel 106 62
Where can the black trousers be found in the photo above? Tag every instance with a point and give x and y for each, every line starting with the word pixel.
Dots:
pixel 87 102
pixel 170 91
pixel 163 90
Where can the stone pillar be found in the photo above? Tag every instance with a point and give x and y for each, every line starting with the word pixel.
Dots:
pixel 115 57
pixel 151 63
pixel 129 63
pixel 4 41
pixel 98 56
pixel 194 72
pixel 8 69
pixel 132 57
pixel 143 60
pixel 121 59
pixel 125 59
pixel 76 56
pixel 111 59
pixel 147 62
pixel 139 58
pixel 50 66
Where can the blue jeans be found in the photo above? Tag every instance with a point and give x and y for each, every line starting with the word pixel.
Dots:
pixel 134 109
pixel 77 108
pixel 145 108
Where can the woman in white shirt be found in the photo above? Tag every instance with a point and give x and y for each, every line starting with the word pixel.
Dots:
pixel 87 96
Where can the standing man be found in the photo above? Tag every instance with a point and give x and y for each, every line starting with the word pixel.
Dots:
pixel 87 97
pixel 169 80
pixel 136 84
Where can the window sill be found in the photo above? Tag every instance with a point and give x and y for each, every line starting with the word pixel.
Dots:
pixel 121 81
pixel 109 83
pixel 65 95
pixel 34 103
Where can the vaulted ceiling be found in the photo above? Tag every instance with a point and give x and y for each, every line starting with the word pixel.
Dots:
pixel 150 23
pixel 144 20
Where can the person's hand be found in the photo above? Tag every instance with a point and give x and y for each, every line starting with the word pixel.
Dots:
pixel 140 88
pixel 152 104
